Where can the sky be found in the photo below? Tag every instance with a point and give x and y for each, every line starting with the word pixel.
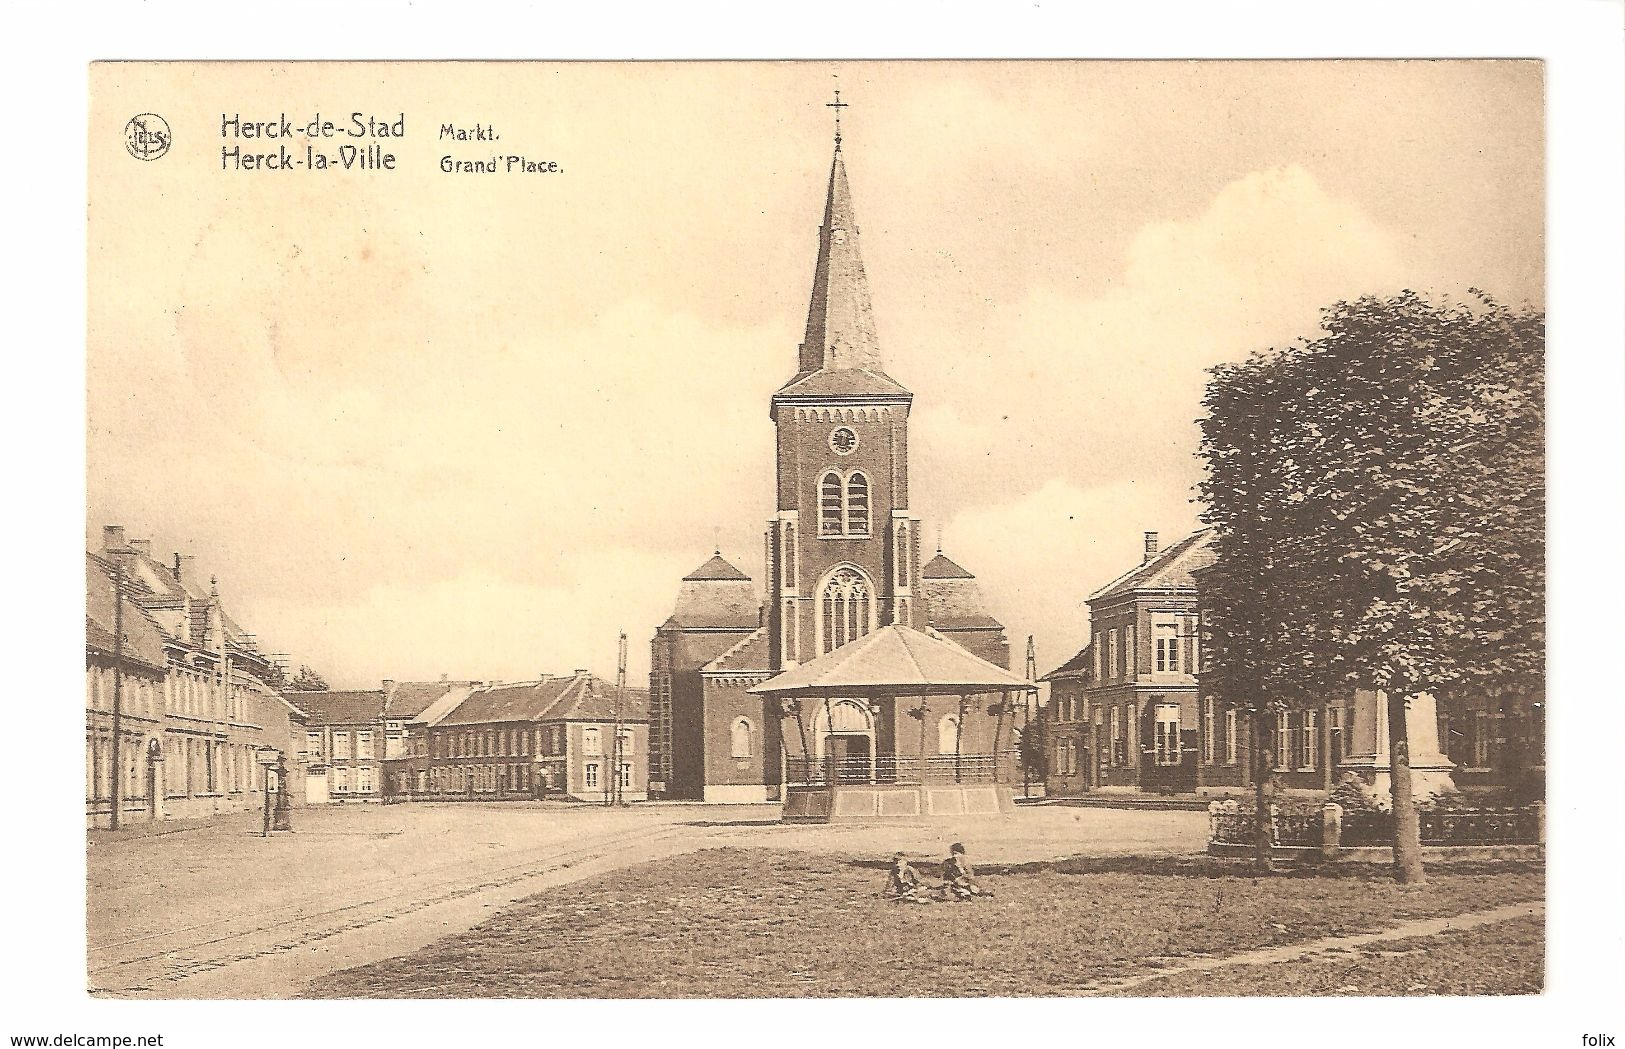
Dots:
pixel 423 423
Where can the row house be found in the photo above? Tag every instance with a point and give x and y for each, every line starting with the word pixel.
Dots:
pixel 343 748
pixel 192 689
pixel 573 736
pixel 410 709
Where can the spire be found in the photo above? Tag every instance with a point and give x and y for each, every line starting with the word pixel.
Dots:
pixel 840 319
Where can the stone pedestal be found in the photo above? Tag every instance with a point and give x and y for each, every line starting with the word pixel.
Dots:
pixel 1368 754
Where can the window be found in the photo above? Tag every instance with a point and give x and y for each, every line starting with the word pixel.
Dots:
pixel 1111 653
pixel 1336 744
pixel 1230 730
pixel 857 504
pixel 1283 741
pixel 1481 739
pixel 592 774
pixel 829 504
pixel 363 744
pixel 341 744
pixel 1309 740
pixel 626 775
pixel 1209 726
pixel 948 735
pixel 1119 748
pixel 590 743
pixel 845 608
pixel 363 779
pixel 1167 729
pixel 740 739
pixel 313 744
pixel 392 745
pixel 341 781
pixel 1165 638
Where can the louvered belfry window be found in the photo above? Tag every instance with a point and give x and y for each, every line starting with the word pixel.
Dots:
pixel 857 504
pixel 829 504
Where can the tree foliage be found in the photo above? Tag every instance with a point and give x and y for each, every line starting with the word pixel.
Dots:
pixel 1378 496
pixel 1378 500
pixel 307 680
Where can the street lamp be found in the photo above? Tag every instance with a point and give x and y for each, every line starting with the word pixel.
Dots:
pixel 268 758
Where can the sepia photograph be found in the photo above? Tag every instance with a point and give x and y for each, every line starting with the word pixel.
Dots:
pixel 932 523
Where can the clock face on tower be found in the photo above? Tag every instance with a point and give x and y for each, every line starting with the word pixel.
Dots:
pixel 843 441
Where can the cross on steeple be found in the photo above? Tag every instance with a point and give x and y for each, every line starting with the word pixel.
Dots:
pixel 837 105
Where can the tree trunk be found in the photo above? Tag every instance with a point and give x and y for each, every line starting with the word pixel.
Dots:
pixel 959 734
pixel 1263 777
pixel 998 729
pixel 1407 825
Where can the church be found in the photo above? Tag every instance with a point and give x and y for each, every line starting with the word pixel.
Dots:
pixel 859 661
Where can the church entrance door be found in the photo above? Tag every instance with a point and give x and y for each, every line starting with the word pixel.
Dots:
pixel 852 755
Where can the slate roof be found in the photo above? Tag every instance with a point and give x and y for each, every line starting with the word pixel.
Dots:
pixel 716 568
pixel 954 598
pixel 750 654
pixel 408 699
pixel 578 697
pixel 437 711
pixel 1079 666
pixel 716 596
pixel 143 637
pixel 1169 570
pixel 340 707
pixel 942 567
pixel 894 659
pixel 840 352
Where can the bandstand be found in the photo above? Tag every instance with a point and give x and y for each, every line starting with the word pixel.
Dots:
pixel 899 723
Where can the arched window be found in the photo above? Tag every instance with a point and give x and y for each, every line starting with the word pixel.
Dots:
pixel 857 504
pixel 829 504
pixel 948 734
pixel 740 739
pixel 844 608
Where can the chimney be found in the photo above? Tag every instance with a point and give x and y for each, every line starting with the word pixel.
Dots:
pixel 582 673
pixel 1150 545
pixel 185 566
pixel 142 547
pixel 112 538
pixel 389 684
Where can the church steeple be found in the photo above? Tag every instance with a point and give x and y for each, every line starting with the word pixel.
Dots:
pixel 840 353
pixel 840 319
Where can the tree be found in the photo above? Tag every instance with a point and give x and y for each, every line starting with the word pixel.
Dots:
pixel 307 680
pixel 1378 499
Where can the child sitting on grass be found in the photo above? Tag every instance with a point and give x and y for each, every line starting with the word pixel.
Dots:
pixel 902 883
pixel 959 877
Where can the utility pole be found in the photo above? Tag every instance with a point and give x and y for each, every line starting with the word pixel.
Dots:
pixel 118 694
pixel 618 793
pixel 1026 722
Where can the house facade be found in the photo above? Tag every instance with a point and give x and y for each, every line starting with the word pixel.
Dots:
pixel 343 747
pixel 570 737
pixel 192 691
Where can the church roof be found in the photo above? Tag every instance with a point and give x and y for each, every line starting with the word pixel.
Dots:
pixel 717 568
pixel 750 654
pixel 940 567
pixel 894 659
pixel 1169 570
pixel 716 596
pixel 840 352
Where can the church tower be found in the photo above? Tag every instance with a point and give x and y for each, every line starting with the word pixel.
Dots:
pixel 842 552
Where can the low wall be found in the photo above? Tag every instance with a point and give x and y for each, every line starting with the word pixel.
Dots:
pixel 1306 855
pixel 864 802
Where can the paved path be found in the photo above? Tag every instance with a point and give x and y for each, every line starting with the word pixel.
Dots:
pixel 215 911
pixel 1295 951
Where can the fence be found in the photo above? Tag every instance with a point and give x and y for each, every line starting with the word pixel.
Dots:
pixel 1330 826
pixel 904 769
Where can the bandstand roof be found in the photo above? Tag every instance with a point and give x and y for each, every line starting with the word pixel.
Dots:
pixel 894 660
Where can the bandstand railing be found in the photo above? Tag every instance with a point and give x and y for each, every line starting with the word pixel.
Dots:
pixel 904 769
